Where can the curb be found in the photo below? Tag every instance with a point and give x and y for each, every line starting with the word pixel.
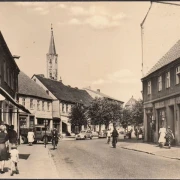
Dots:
pixel 53 164
pixel 151 153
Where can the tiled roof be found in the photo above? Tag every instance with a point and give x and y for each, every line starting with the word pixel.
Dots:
pixel 4 48
pixel 103 95
pixel 170 56
pixel 131 101
pixel 28 87
pixel 66 93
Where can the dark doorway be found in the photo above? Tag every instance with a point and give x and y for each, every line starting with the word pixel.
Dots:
pixel 64 127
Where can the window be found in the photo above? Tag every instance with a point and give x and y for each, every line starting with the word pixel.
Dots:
pixel 149 87
pixel 38 105
pixel 62 107
pixel 42 105
pixel 160 83
pixel 48 106
pixel 167 79
pixel 50 61
pixel 8 79
pixel 5 73
pixel 178 75
pixel 31 103
pixel 66 107
pixel 23 101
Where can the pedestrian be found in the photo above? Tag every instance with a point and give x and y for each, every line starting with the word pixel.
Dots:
pixel 114 136
pixel 169 136
pixel 108 135
pixel 3 147
pixel 162 134
pixel 30 137
pixel 129 130
pixel 12 136
pixel 14 154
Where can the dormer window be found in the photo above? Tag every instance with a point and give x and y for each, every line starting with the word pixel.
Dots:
pixel 50 61
pixel 149 88
pixel 178 75
pixel 160 83
pixel 167 79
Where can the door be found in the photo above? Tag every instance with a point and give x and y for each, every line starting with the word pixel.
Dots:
pixel 38 132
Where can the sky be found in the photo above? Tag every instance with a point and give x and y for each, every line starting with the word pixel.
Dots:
pixel 98 43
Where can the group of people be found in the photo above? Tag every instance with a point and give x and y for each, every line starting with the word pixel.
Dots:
pixel 165 136
pixel 8 148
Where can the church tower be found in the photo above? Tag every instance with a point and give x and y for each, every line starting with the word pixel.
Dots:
pixel 52 59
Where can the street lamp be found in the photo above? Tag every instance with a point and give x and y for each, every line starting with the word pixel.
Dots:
pixel 45 123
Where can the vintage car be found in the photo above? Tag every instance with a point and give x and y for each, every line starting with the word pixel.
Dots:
pixel 102 134
pixel 84 135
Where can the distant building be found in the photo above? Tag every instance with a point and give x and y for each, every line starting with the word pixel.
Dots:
pixel 130 103
pixel 36 100
pixel 52 59
pixel 9 71
pixel 99 94
pixel 64 97
pixel 161 96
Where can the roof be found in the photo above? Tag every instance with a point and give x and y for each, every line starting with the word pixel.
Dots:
pixel 30 88
pixel 4 47
pixel 131 101
pixel 170 56
pixel 52 49
pixel 65 93
pixel 102 94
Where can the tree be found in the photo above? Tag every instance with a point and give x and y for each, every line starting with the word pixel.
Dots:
pixel 127 117
pixel 104 111
pixel 77 116
pixel 137 112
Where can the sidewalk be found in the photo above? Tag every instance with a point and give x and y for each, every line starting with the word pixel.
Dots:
pixel 35 162
pixel 153 149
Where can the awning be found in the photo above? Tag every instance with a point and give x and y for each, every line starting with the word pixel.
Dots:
pixel 8 97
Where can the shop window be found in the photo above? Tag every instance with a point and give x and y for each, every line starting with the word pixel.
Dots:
pixel 149 87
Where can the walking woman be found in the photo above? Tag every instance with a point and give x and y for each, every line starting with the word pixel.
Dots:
pixel 30 137
pixel 162 134
pixel 3 147
pixel 169 136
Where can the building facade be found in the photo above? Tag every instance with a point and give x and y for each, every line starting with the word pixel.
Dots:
pixel 37 101
pixel 99 94
pixel 161 96
pixel 9 71
pixel 64 97
pixel 130 103
pixel 52 59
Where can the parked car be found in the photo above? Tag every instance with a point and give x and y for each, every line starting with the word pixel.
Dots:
pixel 84 135
pixel 95 133
pixel 102 134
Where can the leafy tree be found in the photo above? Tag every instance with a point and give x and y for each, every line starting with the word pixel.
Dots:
pixel 77 116
pixel 103 111
pixel 127 117
pixel 137 112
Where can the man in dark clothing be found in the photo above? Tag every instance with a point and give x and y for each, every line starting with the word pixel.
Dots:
pixel 12 136
pixel 114 136
pixel 55 135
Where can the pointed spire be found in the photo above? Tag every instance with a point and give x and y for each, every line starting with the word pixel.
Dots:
pixel 52 49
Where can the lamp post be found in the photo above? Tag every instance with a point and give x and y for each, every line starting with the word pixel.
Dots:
pixel 45 123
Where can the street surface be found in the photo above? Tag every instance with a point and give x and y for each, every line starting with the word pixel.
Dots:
pixel 94 158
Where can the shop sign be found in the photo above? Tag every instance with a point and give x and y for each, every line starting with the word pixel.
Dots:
pixel 159 104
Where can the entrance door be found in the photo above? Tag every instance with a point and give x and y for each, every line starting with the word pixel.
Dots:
pixel 150 137
pixel 171 119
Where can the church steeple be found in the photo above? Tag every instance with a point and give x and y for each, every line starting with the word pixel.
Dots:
pixel 52 59
pixel 52 49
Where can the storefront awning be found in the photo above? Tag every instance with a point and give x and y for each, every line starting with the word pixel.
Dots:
pixel 9 98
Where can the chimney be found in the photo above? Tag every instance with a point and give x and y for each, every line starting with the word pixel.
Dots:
pixel 98 90
pixel 60 80
pixel 89 87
